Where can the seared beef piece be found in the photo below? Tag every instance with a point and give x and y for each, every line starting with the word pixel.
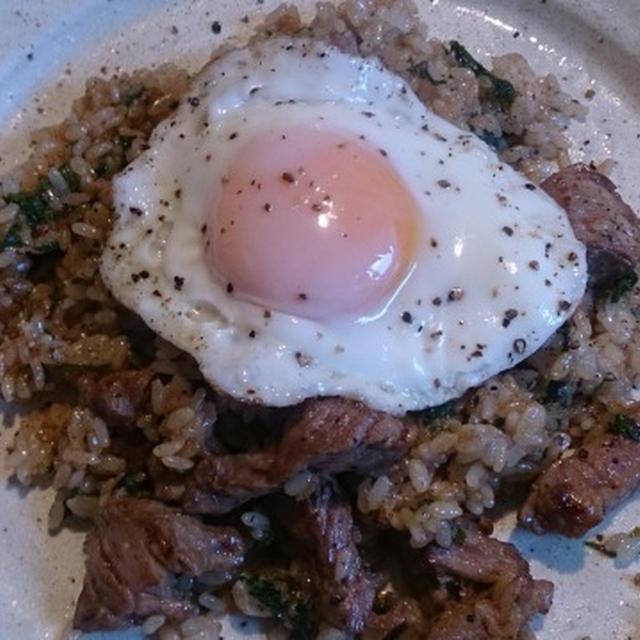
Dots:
pixel 323 527
pixel 498 612
pixel 338 434
pixel 344 590
pixel 600 219
pixel 574 493
pixel 222 482
pixel 324 434
pixel 116 397
pixel 133 554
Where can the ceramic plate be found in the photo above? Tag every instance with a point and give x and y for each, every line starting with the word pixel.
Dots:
pixel 49 48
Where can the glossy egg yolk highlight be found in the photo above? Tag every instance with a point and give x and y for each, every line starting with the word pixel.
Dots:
pixel 312 223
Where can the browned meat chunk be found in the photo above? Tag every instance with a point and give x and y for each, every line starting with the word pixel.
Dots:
pixel 499 612
pixel 116 397
pixel 133 554
pixel 323 526
pixel 574 493
pixel 328 434
pixel 600 219
pixel 222 482
pixel 338 434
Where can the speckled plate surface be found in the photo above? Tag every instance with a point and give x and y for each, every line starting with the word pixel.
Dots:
pixel 47 50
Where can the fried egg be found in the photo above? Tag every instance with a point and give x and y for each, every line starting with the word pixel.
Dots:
pixel 304 225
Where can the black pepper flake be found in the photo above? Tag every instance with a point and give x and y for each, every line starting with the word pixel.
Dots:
pixel 194 101
pixel 157 294
pixel 383 153
pixel 302 359
pixel 266 314
pixel 368 114
pixel 216 27
pixel 177 193
pixel 455 294
pixel 534 264
pixel 252 334
pixel 445 184
pixel 135 277
pixel 564 305
pixel 302 296
pixel 572 257
pixel 144 274
pixel 507 230
pixel 407 317
pixel 547 249
pixel 233 135
pixel 476 354
pixel 288 177
pixel 530 186
pixel 178 282
pixel 434 243
pixel 229 287
pixel 509 315
pixel 519 345
pixel 316 207
pixel 267 207
pixel 135 211
pixel 436 302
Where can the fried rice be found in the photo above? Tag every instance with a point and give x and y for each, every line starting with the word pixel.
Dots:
pixel 58 321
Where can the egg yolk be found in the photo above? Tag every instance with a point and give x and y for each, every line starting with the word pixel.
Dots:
pixel 312 223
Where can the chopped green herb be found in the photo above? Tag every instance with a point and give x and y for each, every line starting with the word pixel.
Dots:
pixel 625 426
pixel 623 286
pixel 268 595
pixel 130 96
pixel 135 484
pixel 438 412
pixel 101 170
pixel 503 91
pixel 495 142
pixel 296 611
pixel 12 239
pixel 558 392
pixel 71 177
pixel 33 207
pixel 303 623
pixel 126 141
pixel 421 70
pixel 600 548
pixel 33 211
pixel 459 536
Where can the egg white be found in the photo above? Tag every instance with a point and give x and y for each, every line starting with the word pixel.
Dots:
pixel 497 271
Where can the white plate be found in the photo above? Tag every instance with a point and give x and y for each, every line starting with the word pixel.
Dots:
pixel 49 47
